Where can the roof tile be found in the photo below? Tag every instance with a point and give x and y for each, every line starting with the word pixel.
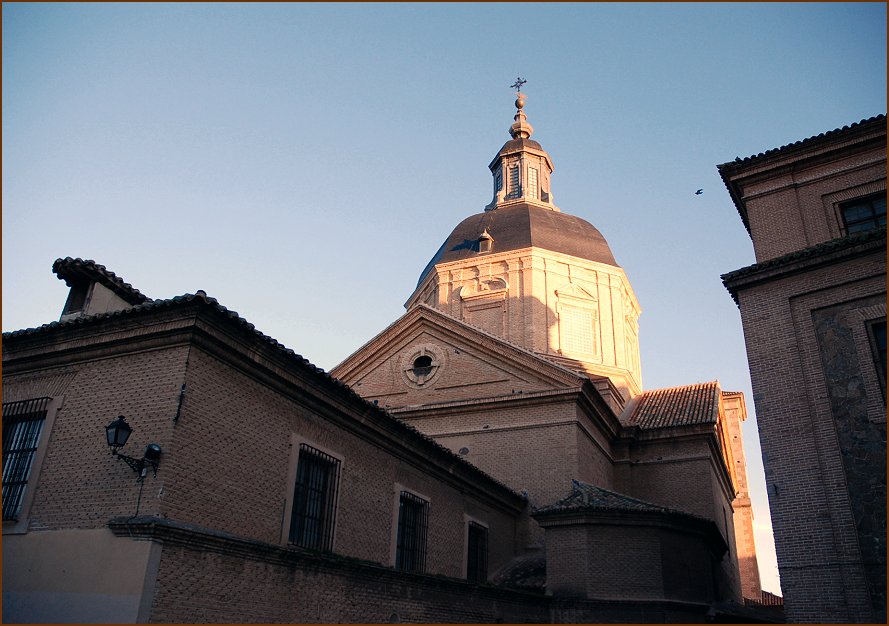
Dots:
pixel 803 142
pixel 75 270
pixel 587 497
pixel 674 406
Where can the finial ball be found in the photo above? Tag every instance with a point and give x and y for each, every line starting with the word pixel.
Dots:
pixel 520 102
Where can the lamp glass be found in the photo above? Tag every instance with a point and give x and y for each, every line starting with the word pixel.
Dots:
pixel 118 432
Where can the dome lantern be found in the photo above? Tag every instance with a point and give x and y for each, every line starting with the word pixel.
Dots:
pixel 522 168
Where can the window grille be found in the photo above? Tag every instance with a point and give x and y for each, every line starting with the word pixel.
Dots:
pixel 410 553
pixel 22 424
pixel 577 329
pixel 532 182
pixel 477 558
pixel 864 214
pixel 498 181
pixel 514 191
pixel 314 499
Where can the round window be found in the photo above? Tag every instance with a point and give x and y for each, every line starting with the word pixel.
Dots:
pixel 422 365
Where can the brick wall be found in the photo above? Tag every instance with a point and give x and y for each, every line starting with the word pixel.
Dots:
pixel 238 478
pixel 81 485
pixel 210 587
pixel 803 200
pixel 230 449
pixel 823 572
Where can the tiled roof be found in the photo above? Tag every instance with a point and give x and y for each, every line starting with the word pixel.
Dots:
pixel 77 270
pixel 804 142
pixel 202 299
pixel 526 572
pixel 674 406
pixel 586 497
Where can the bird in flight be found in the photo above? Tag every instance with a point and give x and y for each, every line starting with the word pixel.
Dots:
pixel 699 192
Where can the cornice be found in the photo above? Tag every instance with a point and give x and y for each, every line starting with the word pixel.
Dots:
pixel 808 259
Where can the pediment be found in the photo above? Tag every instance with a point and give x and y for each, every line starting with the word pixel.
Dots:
pixel 572 290
pixel 426 357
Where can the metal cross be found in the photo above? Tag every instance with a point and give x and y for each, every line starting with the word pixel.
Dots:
pixel 517 85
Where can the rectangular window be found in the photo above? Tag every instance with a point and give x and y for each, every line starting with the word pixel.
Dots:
pixel 864 214
pixel 498 182
pixel 577 329
pixel 22 424
pixel 477 558
pixel 410 553
pixel 314 499
pixel 532 183
pixel 514 191
pixel 876 331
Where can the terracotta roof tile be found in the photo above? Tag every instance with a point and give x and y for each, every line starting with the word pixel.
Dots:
pixel 674 406
pixel 803 142
pixel 587 497
pixel 75 271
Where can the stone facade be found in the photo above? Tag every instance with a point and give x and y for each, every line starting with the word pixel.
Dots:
pixel 807 307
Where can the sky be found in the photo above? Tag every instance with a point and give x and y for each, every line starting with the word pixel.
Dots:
pixel 301 163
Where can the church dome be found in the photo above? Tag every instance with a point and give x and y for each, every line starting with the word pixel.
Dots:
pixel 522 213
pixel 519 226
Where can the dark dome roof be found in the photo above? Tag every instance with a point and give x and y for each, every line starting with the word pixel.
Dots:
pixel 522 226
pixel 514 145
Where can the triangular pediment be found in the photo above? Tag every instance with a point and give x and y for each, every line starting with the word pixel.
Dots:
pixel 572 290
pixel 427 357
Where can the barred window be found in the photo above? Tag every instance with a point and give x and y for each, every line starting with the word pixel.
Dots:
pixel 410 552
pixel 22 424
pixel 314 499
pixel 477 558
pixel 498 181
pixel 864 214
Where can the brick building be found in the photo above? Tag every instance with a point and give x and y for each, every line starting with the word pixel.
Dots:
pixel 490 456
pixel 813 307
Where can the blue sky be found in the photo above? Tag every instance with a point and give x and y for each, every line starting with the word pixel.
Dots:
pixel 301 163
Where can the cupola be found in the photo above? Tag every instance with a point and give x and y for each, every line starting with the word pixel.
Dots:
pixel 522 168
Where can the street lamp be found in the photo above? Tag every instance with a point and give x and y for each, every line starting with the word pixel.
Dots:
pixel 117 433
